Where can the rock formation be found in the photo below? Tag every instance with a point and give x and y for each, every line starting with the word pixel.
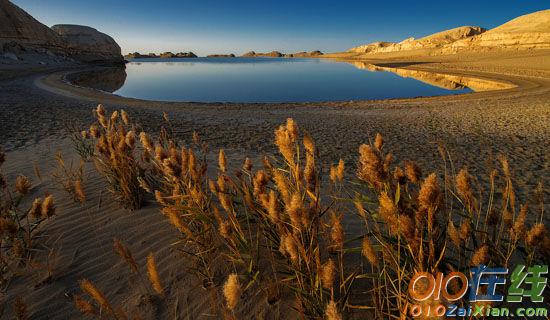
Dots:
pixel 530 31
pixel 20 33
pixel 277 54
pixel 186 55
pixel 436 40
pixel 89 45
pixel 249 54
pixel 23 36
pixel 221 56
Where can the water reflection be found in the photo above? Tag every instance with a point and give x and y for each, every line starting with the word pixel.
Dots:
pixel 105 79
pixel 444 81
pixel 272 80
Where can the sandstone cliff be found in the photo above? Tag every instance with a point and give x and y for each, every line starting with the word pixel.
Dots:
pixel 19 30
pixel 436 40
pixel 530 31
pixel 24 38
pixel 87 44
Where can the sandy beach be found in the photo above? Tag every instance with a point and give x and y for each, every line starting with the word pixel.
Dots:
pixel 35 108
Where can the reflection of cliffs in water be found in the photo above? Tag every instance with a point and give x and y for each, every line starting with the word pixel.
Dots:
pixel 445 81
pixel 104 79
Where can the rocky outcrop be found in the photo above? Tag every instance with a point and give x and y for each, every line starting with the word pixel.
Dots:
pixel 186 55
pixel 277 54
pixel 18 27
pixel 436 40
pixel 304 54
pixel 23 36
pixel 272 54
pixel 249 54
pixel 137 55
pixel 531 31
pixel 89 45
pixel 221 56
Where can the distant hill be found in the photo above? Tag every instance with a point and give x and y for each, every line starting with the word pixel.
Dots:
pixel 530 31
pixel 436 40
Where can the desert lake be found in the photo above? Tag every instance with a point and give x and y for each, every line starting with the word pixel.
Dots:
pixel 268 80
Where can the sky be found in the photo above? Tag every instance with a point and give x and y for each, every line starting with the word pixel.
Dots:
pixel 209 26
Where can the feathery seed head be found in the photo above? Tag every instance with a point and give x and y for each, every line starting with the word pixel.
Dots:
pixel 328 271
pixel 48 207
pixel 369 252
pixel 22 184
pixel 480 256
pixel 222 161
pixel 332 311
pixel 378 142
pixel 153 274
pixel 536 235
pixel 124 117
pixel 232 291
pixel 413 172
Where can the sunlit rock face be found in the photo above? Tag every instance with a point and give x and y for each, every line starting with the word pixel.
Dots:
pixel 530 31
pixel 89 45
pixel 436 40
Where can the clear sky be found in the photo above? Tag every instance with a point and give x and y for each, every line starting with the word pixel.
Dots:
pixel 209 26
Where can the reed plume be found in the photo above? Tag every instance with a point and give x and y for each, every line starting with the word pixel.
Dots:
pixel 480 256
pixel 332 312
pixel 96 294
pixel 153 274
pixel 22 185
pixel 232 291
pixel 328 271
pixel 84 306
pixel 369 252
pixel 125 254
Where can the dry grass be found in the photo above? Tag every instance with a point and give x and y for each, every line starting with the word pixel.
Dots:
pixel 276 231
pixel 116 158
pixel 70 178
pixel 18 226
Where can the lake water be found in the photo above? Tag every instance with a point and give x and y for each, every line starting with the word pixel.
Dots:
pixel 269 80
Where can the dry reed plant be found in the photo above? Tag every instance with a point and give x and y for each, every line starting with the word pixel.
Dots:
pixel 116 157
pixel 414 226
pixel 81 141
pixel 100 306
pixel 70 178
pixel 268 223
pixel 277 229
pixel 18 226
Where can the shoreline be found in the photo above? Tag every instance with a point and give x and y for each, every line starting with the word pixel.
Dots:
pixel 475 128
pixel 57 83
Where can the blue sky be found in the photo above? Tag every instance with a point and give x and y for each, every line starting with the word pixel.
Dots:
pixel 208 26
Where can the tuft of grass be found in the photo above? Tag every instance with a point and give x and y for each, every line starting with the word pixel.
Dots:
pixel 19 225
pixel 116 157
